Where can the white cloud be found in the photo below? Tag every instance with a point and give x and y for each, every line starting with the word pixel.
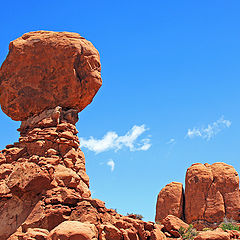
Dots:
pixel 172 141
pixel 210 131
pixel 111 141
pixel 111 164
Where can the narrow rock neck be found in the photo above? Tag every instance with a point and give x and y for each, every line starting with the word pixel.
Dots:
pixel 51 134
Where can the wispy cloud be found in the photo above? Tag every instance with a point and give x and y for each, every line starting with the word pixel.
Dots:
pixel 172 141
pixel 111 164
pixel 111 141
pixel 210 131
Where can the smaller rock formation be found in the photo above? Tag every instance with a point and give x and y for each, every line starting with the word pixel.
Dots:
pixel 211 194
pixel 170 201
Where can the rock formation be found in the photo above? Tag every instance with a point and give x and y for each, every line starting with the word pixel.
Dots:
pixel 45 81
pixel 170 201
pixel 211 194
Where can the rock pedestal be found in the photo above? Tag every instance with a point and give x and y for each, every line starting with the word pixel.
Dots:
pixel 43 175
pixel 44 187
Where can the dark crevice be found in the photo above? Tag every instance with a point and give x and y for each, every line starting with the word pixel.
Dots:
pixel 183 209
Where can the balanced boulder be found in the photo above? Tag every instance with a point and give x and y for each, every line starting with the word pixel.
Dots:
pixel 46 69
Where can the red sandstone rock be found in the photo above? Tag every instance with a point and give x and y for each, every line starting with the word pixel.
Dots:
pixel 157 234
pixel 170 201
pixel 212 192
pixel 172 224
pixel 212 235
pixel 109 232
pixel 73 230
pixel 64 64
pixel 27 177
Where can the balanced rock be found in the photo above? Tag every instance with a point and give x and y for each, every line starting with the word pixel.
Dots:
pixel 170 201
pixel 45 81
pixel 47 69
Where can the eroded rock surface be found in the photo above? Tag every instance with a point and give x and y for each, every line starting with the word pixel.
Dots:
pixel 172 224
pixel 211 194
pixel 42 175
pixel 46 69
pixel 170 201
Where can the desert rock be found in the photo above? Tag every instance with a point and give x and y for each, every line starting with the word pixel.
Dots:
pixel 172 224
pixel 212 193
pixel 212 235
pixel 72 230
pixel 170 201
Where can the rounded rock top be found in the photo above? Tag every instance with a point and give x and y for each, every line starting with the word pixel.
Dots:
pixel 45 69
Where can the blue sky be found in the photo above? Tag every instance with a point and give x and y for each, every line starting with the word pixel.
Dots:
pixel 170 94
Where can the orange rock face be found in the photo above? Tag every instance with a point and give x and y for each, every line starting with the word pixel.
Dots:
pixel 212 193
pixel 47 69
pixel 170 201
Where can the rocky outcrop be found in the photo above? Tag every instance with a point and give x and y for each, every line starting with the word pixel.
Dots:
pixel 170 201
pixel 211 194
pixel 46 69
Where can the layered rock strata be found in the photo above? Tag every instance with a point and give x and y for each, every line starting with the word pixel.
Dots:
pixel 211 194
